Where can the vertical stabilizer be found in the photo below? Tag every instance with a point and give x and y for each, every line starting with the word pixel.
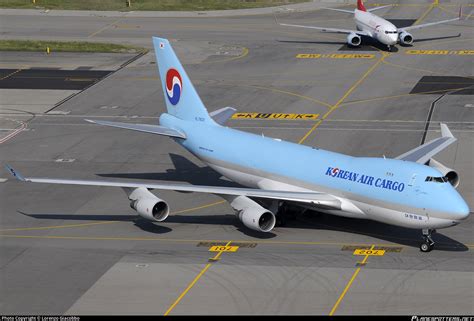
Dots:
pixel 180 96
pixel 360 5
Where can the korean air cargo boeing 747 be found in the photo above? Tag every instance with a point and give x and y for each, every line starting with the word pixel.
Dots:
pixel 412 190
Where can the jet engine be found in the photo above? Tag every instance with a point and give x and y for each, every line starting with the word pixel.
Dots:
pixel 252 214
pixel 449 173
pixel 405 38
pixel 354 40
pixel 148 205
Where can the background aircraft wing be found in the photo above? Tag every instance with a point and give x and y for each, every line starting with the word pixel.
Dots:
pixel 429 24
pixel 340 10
pixel 423 153
pixel 377 8
pixel 322 199
pixel 335 30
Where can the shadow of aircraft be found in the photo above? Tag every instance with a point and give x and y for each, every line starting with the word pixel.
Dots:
pixel 184 171
pixel 308 221
pixel 391 233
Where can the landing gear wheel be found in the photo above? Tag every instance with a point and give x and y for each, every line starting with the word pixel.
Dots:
pixel 426 247
pixel 428 242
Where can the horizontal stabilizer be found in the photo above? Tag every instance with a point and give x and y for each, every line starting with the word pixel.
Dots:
pixel 221 116
pixel 151 129
pixel 425 152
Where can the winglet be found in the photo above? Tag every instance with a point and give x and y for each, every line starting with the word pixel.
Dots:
pixel 445 132
pixel 460 12
pixel 14 173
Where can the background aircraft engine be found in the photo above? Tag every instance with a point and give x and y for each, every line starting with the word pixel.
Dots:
pixel 148 205
pixel 450 174
pixel 253 215
pixel 354 40
pixel 405 38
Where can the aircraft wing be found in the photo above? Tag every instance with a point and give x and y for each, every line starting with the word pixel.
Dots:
pixel 334 30
pixel 322 199
pixel 152 129
pixel 429 24
pixel 377 8
pixel 340 10
pixel 423 153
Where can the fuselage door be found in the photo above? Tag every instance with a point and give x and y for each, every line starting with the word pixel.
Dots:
pixel 412 180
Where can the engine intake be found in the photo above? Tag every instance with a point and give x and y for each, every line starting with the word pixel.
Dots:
pixel 450 174
pixel 148 205
pixel 354 40
pixel 253 215
pixel 405 38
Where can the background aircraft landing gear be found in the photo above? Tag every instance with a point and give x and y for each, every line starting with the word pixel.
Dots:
pixel 428 242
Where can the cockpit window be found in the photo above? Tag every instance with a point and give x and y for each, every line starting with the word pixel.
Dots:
pixel 443 179
pixel 389 32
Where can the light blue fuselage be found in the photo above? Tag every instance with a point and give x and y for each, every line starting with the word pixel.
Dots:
pixel 386 190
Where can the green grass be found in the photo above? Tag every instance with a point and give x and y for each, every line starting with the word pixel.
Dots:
pixel 158 5
pixel 73 46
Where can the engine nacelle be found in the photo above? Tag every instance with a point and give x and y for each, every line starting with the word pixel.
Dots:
pixel 353 40
pixel 253 215
pixel 405 38
pixel 148 205
pixel 450 174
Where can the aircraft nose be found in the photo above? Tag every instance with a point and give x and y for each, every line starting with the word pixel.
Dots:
pixel 460 210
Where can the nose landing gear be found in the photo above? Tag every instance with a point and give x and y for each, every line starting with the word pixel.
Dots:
pixel 428 242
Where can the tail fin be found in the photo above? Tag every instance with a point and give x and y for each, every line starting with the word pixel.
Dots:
pixel 181 98
pixel 360 5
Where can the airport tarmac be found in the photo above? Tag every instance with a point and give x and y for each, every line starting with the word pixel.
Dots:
pixel 82 250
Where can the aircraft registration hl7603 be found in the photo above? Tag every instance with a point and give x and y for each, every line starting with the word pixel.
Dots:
pixel 413 190
pixel 373 26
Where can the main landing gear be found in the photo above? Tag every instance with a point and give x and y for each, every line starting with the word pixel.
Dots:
pixel 428 242
pixel 284 213
pixel 389 48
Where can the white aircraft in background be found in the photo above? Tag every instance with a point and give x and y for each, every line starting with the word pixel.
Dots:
pixel 371 25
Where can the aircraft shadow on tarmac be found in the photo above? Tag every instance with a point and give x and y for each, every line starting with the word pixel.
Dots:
pixel 368 44
pixel 184 171
pixel 308 221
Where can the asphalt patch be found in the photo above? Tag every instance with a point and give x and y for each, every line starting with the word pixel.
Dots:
pixel 50 78
pixel 441 84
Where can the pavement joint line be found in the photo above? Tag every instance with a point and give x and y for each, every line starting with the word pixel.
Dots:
pixel 245 52
pixel 104 28
pixel 348 285
pixel 194 281
pixel 348 92
pixel 280 91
